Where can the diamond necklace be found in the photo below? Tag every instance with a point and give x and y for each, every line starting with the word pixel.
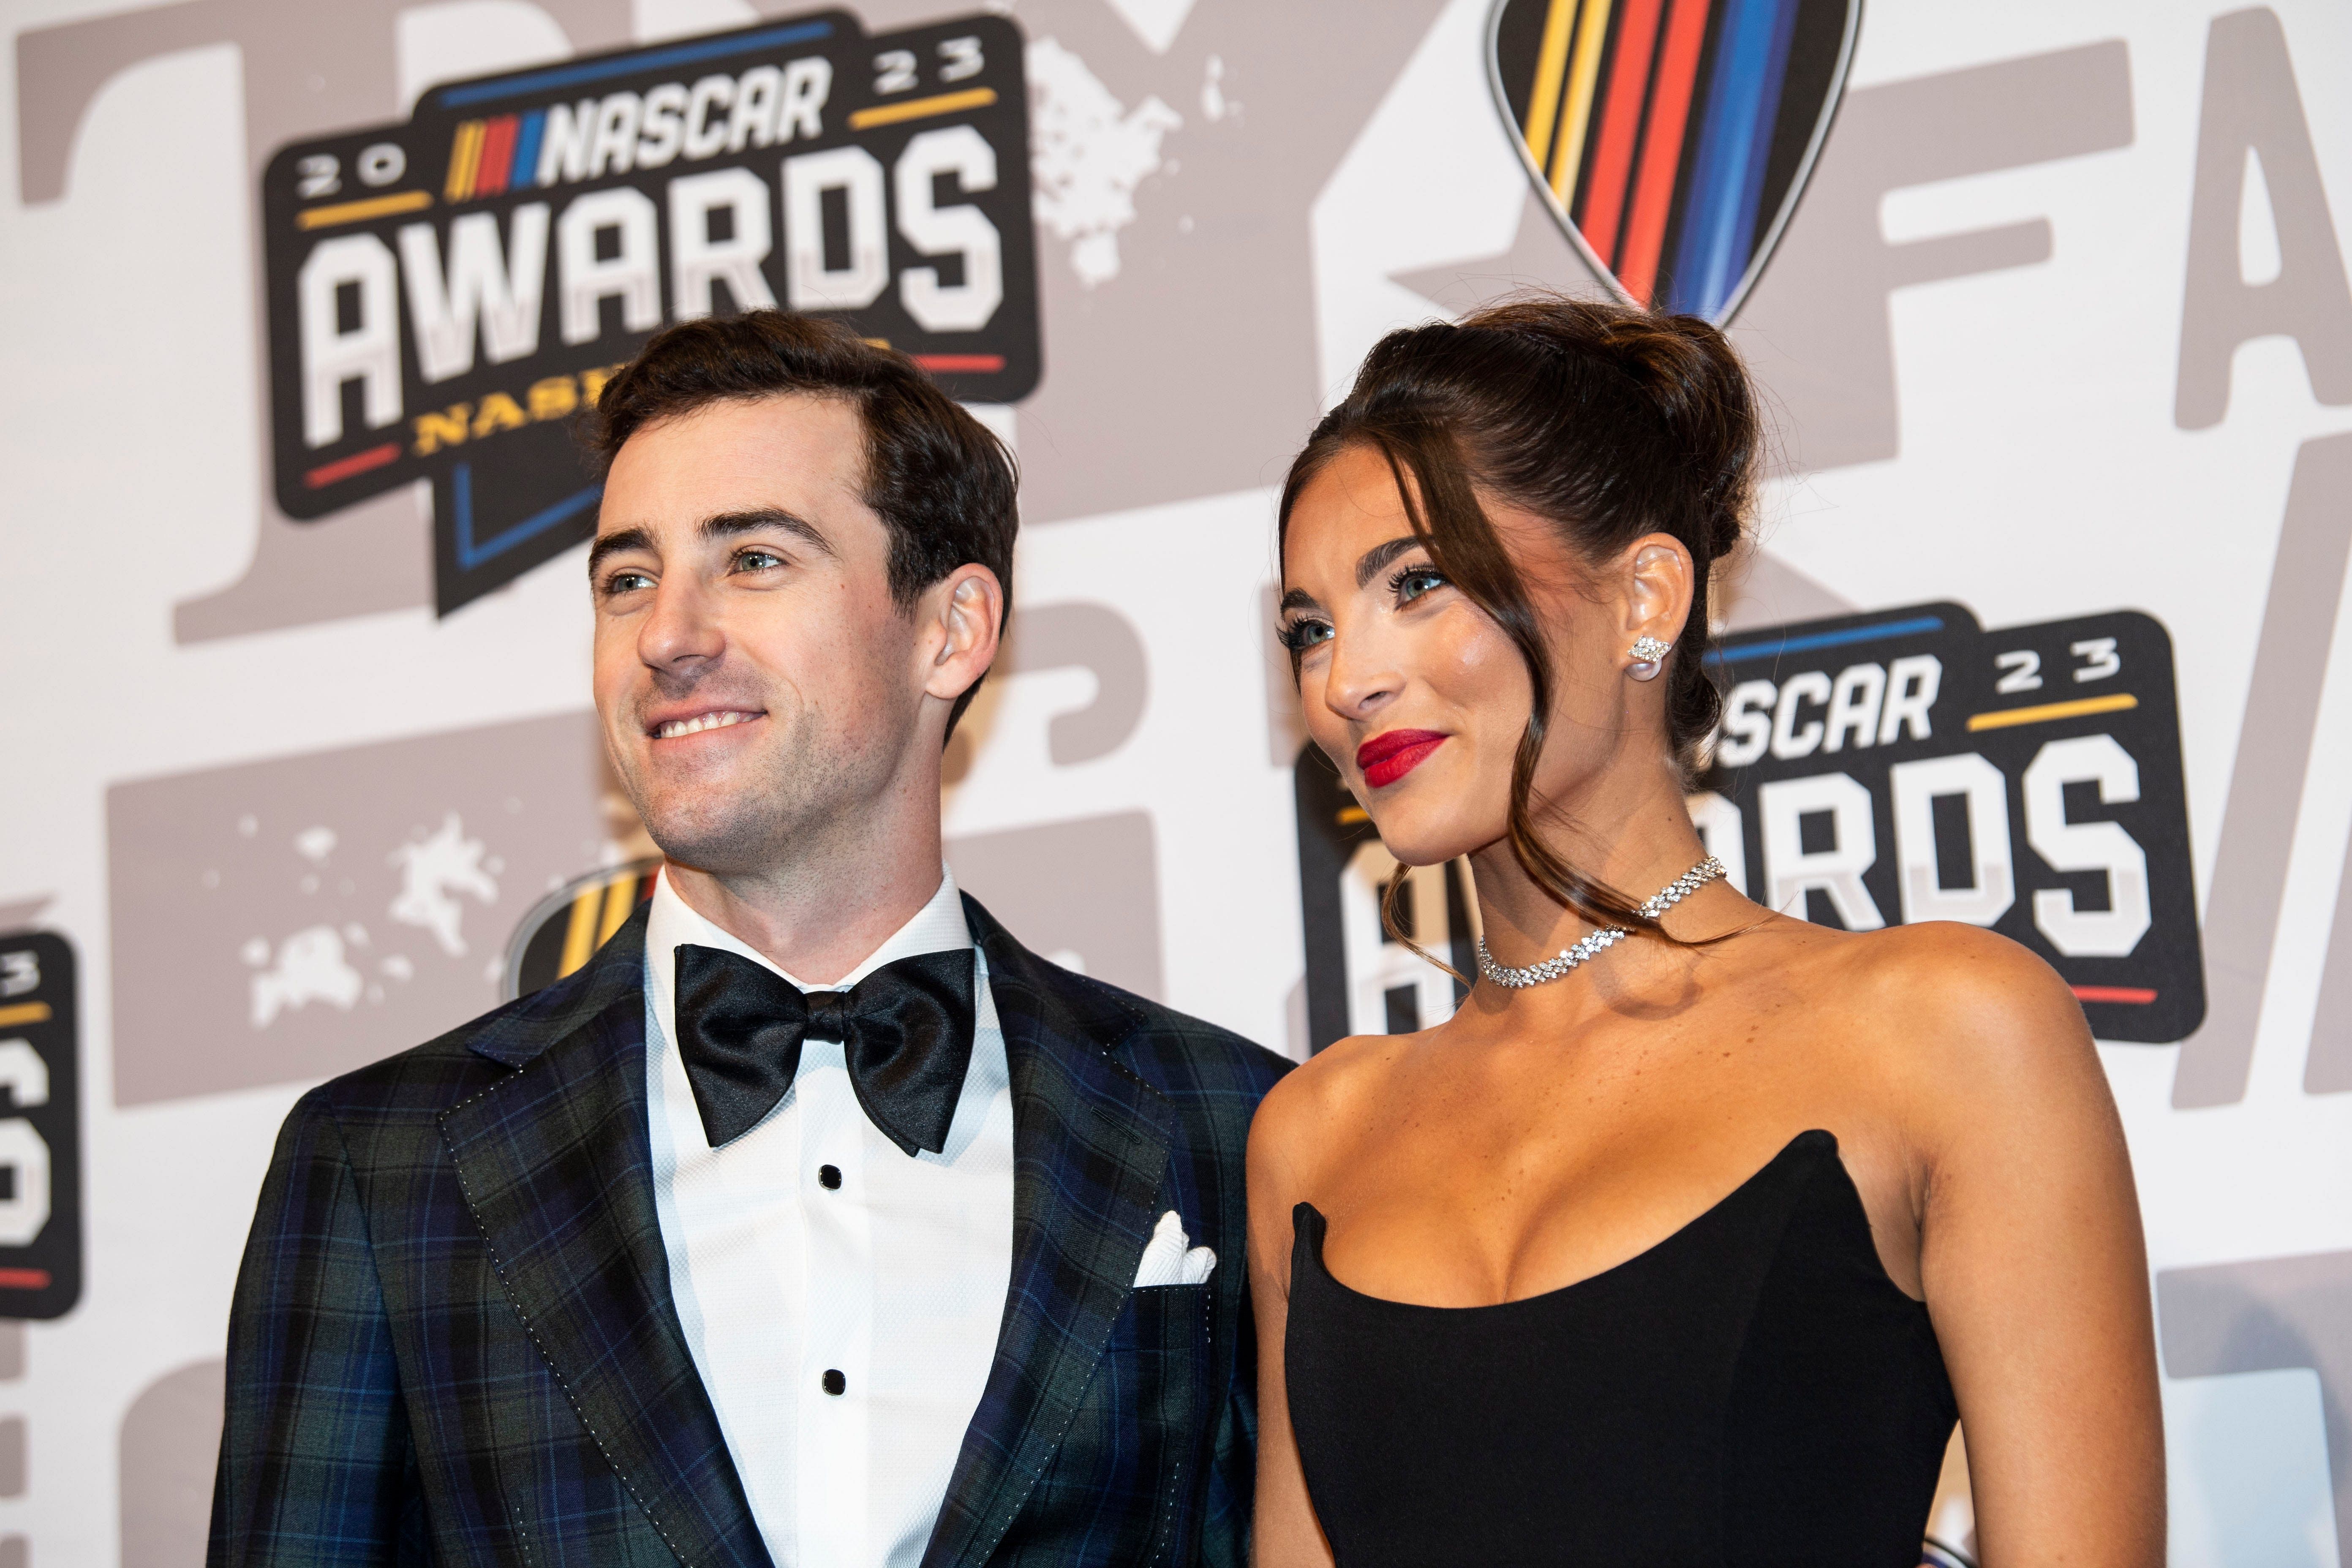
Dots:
pixel 1568 958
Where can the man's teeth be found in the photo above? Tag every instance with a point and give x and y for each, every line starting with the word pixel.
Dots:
pixel 677 727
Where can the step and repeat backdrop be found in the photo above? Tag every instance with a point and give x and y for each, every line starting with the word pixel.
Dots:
pixel 298 303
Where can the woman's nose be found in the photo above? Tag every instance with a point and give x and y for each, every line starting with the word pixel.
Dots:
pixel 1360 679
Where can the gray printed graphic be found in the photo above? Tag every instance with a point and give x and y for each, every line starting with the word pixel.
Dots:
pixel 2250 861
pixel 1093 637
pixel 1073 635
pixel 1084 894
pixel 2328 1069
pixel 295 918
pixel 2250 106
pixel 2271 1315
pixel 1817 331
pixel 306 67
pixel 171 1437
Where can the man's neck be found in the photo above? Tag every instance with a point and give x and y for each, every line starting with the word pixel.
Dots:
pixel 820 914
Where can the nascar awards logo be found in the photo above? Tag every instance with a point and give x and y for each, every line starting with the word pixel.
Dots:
pixel 1870 771
pixel 1909 765
pixel 445 295
pixel 1672 137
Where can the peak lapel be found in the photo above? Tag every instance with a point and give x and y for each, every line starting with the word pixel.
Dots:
pixel 555 1165
pixel 1090 1152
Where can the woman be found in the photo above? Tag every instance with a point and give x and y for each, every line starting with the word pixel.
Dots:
pixel 1687 1238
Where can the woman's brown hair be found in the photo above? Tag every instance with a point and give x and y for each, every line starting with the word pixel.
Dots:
pixel 1611 422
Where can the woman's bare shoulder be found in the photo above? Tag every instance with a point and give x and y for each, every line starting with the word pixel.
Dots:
pixel 1305 1116
pixel 1965 1019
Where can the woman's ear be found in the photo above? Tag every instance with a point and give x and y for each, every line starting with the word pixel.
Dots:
pixel 1657 587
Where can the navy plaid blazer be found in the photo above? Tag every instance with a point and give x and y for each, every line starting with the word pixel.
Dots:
pixel 453 1341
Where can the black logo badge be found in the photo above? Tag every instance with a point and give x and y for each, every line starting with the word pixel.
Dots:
pixel 40 1128
pixel 445 294
pixel 1883 769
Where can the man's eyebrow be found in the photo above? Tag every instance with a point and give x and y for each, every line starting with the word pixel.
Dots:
pixel 616 543
pixel 1369 566
pixel 726 524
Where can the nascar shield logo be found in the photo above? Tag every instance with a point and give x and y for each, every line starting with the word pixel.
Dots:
pixel 1672 137
pixel 564 928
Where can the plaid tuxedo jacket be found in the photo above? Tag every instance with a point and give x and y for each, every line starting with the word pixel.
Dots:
pixel 453 1343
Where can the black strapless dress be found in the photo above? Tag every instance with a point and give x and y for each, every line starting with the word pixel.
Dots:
pixel 1751 1390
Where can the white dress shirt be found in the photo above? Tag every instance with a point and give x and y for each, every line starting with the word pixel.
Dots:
pixel 896 1278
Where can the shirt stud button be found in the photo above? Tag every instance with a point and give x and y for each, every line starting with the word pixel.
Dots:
pixel 829 1178
pixel 835 1382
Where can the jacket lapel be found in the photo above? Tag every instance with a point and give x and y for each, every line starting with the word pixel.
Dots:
pixel 554 1163
pixel 1091 1153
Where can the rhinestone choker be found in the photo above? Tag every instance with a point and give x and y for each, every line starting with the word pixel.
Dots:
pixel 1568 958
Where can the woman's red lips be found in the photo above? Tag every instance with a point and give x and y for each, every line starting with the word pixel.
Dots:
pixel 1388 757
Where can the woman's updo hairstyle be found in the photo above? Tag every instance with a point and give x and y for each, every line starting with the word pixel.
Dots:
pixel 1607 420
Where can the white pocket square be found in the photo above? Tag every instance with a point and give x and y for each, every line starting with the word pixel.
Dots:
pixel 1169 1259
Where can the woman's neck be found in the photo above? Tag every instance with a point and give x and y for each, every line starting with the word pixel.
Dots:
pixel 1633 841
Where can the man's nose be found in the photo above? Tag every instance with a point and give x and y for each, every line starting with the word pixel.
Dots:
pixel 682 632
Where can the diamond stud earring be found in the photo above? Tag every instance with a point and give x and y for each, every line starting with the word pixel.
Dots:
pixel 1648 656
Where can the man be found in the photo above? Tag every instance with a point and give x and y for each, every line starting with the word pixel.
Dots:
pixel 814 1221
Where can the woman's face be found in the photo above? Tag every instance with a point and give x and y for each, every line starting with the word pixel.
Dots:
pixel 1418 698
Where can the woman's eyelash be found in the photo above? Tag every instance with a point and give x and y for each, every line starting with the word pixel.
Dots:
pixel 1293 636
pixel 1407 573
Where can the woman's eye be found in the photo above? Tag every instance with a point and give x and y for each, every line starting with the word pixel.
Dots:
pixel 1301 635
pixel 1414 581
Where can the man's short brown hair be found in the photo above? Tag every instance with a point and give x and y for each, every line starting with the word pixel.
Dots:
pixel 941 480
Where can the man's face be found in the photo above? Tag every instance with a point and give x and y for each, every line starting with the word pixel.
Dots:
pixel 759 688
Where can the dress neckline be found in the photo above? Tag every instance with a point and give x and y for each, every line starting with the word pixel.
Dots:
pixel 1812 1138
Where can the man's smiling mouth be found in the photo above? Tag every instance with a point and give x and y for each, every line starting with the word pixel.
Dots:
pixel 701 722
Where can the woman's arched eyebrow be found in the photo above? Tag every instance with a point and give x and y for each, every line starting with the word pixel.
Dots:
pixel 1369 566
pixel 1299 599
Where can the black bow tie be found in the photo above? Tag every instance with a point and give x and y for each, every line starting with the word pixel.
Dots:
pixel 904 1029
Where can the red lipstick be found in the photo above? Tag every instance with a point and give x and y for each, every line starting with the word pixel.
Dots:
pixel 1388 757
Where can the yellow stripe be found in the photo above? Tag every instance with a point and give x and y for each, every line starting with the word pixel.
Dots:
pixel 23 1013
pixel 1551 60
pixel 352 212
pixel 619 900
pixel 464 153
pixel 580 936
pixel 1351 814
pixel 2008 718
pixel 1570 155
pixel 922 108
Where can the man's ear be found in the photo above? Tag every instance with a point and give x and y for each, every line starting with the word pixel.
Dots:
pixel 966 608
